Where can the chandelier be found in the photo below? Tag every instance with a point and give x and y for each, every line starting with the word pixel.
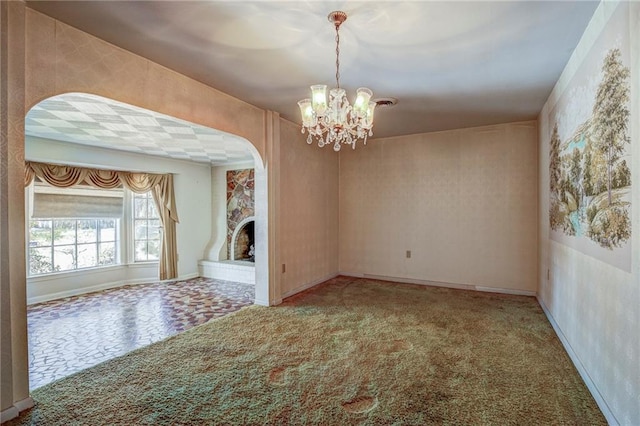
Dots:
pixel 337 122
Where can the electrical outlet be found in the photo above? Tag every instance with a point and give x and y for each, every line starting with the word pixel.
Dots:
pixel 408 254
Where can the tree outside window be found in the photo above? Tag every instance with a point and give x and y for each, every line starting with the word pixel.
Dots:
pixel 57 245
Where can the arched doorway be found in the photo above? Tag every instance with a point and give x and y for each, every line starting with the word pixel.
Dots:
pixel 64 128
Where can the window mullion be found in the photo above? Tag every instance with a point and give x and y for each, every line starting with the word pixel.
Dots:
pixel 147 222
pixel 125 231
pixel 75 246
pixel 97 245
pixel 53 252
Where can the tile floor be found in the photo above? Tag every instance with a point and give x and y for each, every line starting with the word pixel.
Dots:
pixel 74 333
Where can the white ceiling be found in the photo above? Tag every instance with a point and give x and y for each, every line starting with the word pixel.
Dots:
pixel 96 121
pixel 451 64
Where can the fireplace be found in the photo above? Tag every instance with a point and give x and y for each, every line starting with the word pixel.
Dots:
pixel 243 241
pixel 229 253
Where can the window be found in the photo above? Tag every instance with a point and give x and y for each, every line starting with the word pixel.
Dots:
pixel 146 228
pixel 57 245
pixel 83 227
pixel 72 228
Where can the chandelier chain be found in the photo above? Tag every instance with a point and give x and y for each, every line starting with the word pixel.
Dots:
pixel 338 55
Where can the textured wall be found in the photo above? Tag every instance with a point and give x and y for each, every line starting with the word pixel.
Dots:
pixel 595 305
pixel 62 59
pixel 6 380
pixel 308 210
pixel 462 201
pixel 14 358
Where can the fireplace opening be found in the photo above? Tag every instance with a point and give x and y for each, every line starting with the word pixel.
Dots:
pixel 244 243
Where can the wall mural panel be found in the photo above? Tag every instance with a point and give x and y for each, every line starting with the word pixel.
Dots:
pixel 590 155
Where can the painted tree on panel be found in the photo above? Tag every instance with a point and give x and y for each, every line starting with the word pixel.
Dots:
pixel 610 224
pixel 611 114
pixel 558 207
pixel 590 180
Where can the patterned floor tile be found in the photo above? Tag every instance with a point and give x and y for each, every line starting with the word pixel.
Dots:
pixel 71 334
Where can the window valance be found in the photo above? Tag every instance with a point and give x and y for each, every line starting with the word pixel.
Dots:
pixel 161 185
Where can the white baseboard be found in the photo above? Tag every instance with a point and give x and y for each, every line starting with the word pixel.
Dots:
pixel 442 284
pixel 8 414
pixel 602 404
pixel 182 278
pixel 17 407
pixel 261 302
pixel 505 291
pixel 24 404
pixel 100 287
pixel 80 290
pixel 307 286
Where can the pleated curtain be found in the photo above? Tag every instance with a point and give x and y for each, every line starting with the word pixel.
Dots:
pixel 161 186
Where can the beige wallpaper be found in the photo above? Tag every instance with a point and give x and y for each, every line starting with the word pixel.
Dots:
pixel 594 305
pixel 462 201
pixel 308 211
pixel 60 59
pixel 14 389
pixel 6 379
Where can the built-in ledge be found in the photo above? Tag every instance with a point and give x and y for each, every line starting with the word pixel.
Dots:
pixel 228 270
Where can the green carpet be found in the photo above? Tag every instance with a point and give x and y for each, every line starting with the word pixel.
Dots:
pixel 350 351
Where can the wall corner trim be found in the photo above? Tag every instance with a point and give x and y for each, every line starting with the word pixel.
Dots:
pixel 17 407
pixel 593 389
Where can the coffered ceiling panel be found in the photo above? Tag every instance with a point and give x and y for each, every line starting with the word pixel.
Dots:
pixel 93 120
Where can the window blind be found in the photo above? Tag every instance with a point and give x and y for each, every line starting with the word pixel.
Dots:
pixel 76 206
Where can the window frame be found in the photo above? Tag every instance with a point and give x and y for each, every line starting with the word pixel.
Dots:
pixel 148 196
pixel 125 233
pixel 75 245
